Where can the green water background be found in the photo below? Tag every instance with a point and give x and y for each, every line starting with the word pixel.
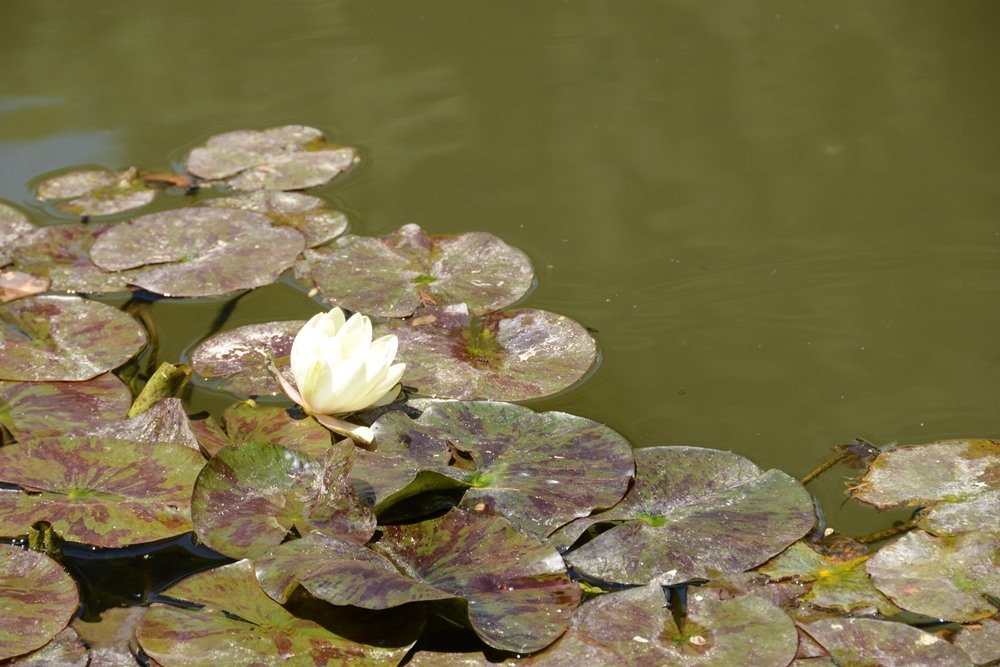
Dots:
pixel 782 218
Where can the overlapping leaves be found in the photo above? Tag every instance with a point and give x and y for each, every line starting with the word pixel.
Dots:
pixel 238 359
pixel 96 191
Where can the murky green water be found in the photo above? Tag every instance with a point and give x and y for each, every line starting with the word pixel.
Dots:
pixel 782 218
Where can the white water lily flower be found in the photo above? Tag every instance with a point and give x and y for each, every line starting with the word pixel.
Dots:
pixel 338 368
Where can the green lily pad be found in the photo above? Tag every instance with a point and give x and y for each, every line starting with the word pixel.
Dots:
pixel 291 157
pixel 165 421
pixel 239 625
pixel 40 409
pixel 942 577
pixel 66 650
pixel 62 254
pixel 536 470
pixel 198 251
pixel 61 338
pixel 394 275
pixel 110 638
pixel 691 514
pixel 18 285
pixel 980 641
pixel 237 359
pixel 99 491
pixel 518 593
pixel 635 627
pixel 248 422
pixel 250 496
pixel 309 215
pixel 14 227
pixel 37 600
pixel 867 641
pixel 96 191
pixel 510 355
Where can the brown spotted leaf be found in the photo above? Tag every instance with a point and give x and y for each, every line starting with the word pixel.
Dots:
pixel 867 641
pixel 237 359
pixel 14 228
pixel 165 421
pixel 40 409
pixel 248 422
pixel 65 650
pixel 308 214
pixel 37 600
pixel 17 285
pixel 96 191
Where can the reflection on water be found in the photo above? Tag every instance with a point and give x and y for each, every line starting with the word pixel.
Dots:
pixel 781 217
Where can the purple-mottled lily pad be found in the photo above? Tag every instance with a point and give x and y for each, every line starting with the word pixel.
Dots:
pixel 65 650
pixel 210 435
pixel 61 338
pixel 40 409
pixel 956 481
pixel 980 641
pixel 237 359
pixel 18 285
pixel 519 595
pixel 62 254
pixel 37 600
pixel 867 641
pixel 291 157
pixel 96 191
pixel 635 627
pixel 394 275
pixel 100 491
pixel 14 227
pixel 110 638
pixel 248 422
pixel 198 251
pixel 308 214
pixel 510 355
pixel 942 577
pixel 692 513
pixel 250 496
pixel 536 470
pixel 239 625
pixel 165 421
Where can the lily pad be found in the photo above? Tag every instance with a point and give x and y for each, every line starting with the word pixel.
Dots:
pixel 165 421
pixel 110 638
pixel 18 285
pixel 518 593
pixel 867 641
pixel 250 496
pixel 14 226
pixel 99 491
pixel 510 355
pixel 635 627
pixel 942 577
pixel 96 191
pixel 691 514
pixel 60 338
pixel 394 275
pixel 309 215
pixel 237 359
pixel 198 251
pixel 239 625
pixel 536 470
pixel 296 171
pixel 61 253
pixel 66 650
pixel 249 422
pixel 40 409
pixel 980 641
pixel 37 600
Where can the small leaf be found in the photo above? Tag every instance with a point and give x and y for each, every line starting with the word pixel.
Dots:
pixel 37 600
pixel 97 192
pixel 165 382
pixel 40 409
pixel 309 215
pixel 238 358
pixel 17 285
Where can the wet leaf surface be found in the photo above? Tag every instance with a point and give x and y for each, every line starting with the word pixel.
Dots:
pixel 249 422
pixel 510 355
pixel 96 191
pixel 519 595
pixel 17 285
pixel 65 650
pixel 240 625
pixel 536 470
pixel 165 421
pixel 942 577
pixel 250 496
pixel 14 227
pixel 60 338
pixel 866 641
pixel 296 171
pixel 198 251
pixel 309 215
pixel 980 641
pixel 39 409
pixel 98 491
pixel 237 359
pixel 392 276
pixel 37 600
pixel 110 638
pixel 693 513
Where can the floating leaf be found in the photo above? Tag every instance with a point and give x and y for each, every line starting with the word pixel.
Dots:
pixel 943 577
pixel 635 627
pixel 40 409
pixel 97 191
pixel 309 215
pixel 210 435
pixel 198 251
pixel 296 171
pixel 504 356
pixel 110 638
pixel 59 338
pixel 250 496
pixel 65 650
pixel 980 641
pixel 62 254
pixel 693 513
pixel 165 421
pixel 99 491
pixel 394 275
pixel 249 422
pixel 17 285
pixel 519 595
pixel 239 357
pixel 37 600
pixel 240 625
pixel 866 641
pixel 536 470
pixel 14 226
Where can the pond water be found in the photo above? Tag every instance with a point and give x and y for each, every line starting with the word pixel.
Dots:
pixel 782 219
